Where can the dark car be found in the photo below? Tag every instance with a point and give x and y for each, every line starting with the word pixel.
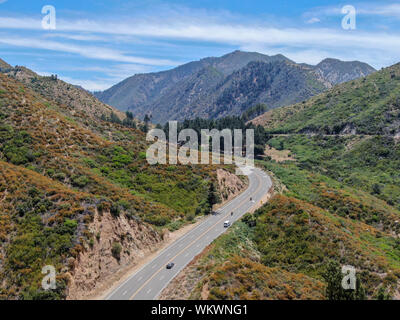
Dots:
pixel 170 265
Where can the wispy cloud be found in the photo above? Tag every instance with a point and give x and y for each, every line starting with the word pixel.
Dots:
pixel 370 9
pixel 221 33
pixel 85 51
pixel 313 20
pixel 98 38
pixel 388 10
pixel 91 85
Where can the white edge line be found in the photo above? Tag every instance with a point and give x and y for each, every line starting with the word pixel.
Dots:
pixel 174 243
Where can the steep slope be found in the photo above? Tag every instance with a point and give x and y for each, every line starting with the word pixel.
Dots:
pixel 73 197
pixel 195 89
pixel 66 95
pixel 144 89
pixel 274 84
pixel 365 106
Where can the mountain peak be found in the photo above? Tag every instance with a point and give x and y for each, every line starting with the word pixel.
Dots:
pixel 337 71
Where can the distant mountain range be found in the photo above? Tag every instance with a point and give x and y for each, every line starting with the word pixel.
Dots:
pixel 228 85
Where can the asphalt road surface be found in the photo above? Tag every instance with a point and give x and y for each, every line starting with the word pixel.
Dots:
pixel 150 280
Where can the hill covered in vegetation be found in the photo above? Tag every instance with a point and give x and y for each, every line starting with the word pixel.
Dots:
pixel 369 106
pixel 75 189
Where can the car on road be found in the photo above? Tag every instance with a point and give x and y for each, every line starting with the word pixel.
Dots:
pixel 227 224
pixel 170 265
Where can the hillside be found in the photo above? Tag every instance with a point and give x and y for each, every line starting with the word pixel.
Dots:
pixel 226 86
pixel 66 95
pixel 368 106
pixel 77 192
pixel 289 250
pixel 316 222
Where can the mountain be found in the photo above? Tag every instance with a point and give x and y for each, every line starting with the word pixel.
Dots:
pixel 140 92
pixel 336 71
pixel 226 86
pixel 368 106
pixel 77 193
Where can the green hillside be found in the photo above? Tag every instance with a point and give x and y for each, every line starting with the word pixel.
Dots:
pixel 369 106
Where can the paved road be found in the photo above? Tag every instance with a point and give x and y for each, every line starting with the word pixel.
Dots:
pixel 149 281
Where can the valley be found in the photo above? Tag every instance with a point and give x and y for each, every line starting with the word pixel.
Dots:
pixel 77 191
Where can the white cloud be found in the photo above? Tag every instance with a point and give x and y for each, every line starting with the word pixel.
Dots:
pixel 371 9
pixel 302 44
pixel 389 10
pixel 77 37
pixel 313 20
pixel 223 32
pixel 85 51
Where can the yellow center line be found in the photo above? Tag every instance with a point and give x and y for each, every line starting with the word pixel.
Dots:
pixel 194 241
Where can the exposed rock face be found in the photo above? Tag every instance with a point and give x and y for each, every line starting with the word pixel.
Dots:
pixel 230 185
pixel 94 268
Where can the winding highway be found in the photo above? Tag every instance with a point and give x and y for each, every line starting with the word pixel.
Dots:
pixel 151 279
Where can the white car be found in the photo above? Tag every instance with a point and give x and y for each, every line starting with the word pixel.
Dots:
pixel 227 224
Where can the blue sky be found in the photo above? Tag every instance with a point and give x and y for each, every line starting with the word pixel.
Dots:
pixel 99 43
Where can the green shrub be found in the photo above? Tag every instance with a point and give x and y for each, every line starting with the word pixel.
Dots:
pixel 80 181
pixel 116 250
pixel 115 210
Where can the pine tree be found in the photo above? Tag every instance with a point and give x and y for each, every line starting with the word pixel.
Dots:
pixel 213 196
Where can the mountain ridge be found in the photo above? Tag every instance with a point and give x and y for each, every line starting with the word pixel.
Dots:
pixel 190 90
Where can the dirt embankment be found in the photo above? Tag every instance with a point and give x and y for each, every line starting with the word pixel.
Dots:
pixel 230 186
pixel 98 267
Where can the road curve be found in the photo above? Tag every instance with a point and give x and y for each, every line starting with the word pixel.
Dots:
pixel 150 280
